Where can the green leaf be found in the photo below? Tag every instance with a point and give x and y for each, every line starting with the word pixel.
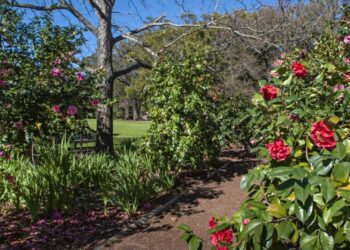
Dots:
pixel 251 227
pixel 280 172
pixel 276 210
pixel 288 80
pixel 194 244
pixel 219 228
pixel 184 228
pixel 341 172
pixel 309 144
pixel 308 241
pixel 303 212
pixel 319 78
pixel 326 241
pixel 247 182
pixel 301 193
pixel 327 190
pixel 329 213
pixel 344 194
pixel 285 229
pixel 340 151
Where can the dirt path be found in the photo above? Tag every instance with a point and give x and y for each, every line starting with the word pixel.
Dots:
pixel 220 194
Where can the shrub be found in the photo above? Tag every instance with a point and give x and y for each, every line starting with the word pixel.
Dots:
pixel 184 108
pixel 42 90
pixel 299 199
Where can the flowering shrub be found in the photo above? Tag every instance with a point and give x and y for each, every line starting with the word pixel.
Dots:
pixel 42 92
pixel 300 198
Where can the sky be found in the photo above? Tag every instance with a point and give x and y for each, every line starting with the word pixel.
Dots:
pixel 131 14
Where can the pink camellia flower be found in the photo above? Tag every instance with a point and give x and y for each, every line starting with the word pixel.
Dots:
pixel 274 74
pixel 277 63
pixel 2 83
pixel 57 61
pixel 19 125
pixel 338 87
pixel 95 102
pixel 299 70
pixel 346 39
pixel 346 60
pixel 72 110
pixel 245 222
pixel 79 76
pixel 278 150
pixel 56 72
pixel 56 108
pixel 211 223
pixel 346 77
pixel 322 136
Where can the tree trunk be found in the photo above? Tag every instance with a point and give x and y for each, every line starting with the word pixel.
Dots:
pixel 136 109
pixel 104 138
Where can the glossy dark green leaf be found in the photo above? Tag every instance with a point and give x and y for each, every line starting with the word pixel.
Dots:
pixel 285 230
pixel 339 151
pixel 327 190
pixel 326 241
pixel 301 192
pixel 307 242
pixel 341 172
pixel 247 182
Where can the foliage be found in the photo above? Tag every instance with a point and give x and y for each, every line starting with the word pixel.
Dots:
pixel 184 108
pixel 300 197
pixel 59 181
pixel 42 91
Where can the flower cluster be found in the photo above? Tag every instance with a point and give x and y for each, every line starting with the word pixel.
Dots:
pixel 224 236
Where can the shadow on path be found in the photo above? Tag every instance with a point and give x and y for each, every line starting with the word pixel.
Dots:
pixel 205 194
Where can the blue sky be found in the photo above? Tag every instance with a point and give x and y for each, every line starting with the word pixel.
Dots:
pixel 132 13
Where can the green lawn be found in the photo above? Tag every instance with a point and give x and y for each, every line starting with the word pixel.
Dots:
pixel 125 129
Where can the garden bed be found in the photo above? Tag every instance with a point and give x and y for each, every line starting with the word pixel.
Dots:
pixel 85 226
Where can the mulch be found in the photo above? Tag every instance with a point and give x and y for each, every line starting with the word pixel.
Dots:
pixel 207 193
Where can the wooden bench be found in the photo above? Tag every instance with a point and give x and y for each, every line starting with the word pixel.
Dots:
pixel 84 144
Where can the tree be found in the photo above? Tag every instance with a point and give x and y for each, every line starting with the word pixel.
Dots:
pixel 106 41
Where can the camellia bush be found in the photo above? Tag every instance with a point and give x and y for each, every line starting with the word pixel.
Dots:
pixel 299 198
pixel 185 109
pixel 42 91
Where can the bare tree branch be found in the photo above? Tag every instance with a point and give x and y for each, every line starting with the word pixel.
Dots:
pixel 131 68
pixel 63 5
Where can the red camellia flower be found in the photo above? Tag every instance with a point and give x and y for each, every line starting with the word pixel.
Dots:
pixel 299 70
pixel 269 92
pixel 211 223
pixel 224 236
pixel 278 150
pixel 322 136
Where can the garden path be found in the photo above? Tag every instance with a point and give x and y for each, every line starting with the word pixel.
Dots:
pixel 216 193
